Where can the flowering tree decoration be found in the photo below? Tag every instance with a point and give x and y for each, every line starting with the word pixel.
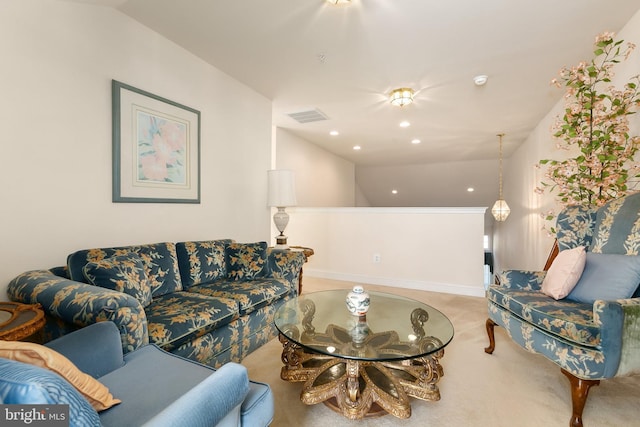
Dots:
pixel 596 122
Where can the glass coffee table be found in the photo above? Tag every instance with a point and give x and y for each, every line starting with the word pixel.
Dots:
pixel 362 366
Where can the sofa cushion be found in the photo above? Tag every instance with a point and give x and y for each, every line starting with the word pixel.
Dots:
pixel 246 261
pixel 183 386
pixel 570 320
pixel 257 407
pixel 22 383
pixel 122 273
pixel 564 273
pixel 202 262
pixel 38 355
pixel 607 277
pixel 182 316
pixel 160 261
pixel 249 295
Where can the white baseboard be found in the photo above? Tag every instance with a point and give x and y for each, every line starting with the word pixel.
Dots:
pixel 446 288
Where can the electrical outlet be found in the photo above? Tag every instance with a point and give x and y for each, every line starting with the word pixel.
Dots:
pixel 376 258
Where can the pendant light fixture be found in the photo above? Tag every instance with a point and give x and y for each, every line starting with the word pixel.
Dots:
pixel 500 210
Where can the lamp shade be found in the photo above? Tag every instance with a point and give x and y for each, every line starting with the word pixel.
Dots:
pixel 282 191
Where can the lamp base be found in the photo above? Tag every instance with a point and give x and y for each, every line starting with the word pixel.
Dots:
pixel 281 242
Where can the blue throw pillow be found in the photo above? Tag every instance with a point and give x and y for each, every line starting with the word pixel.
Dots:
pixel 202 262
pixel 122 273
pixel 607 277
pixel 24 384
pixel 246 261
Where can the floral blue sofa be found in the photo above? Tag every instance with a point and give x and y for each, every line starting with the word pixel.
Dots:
pixel 209 301
pixel 593 333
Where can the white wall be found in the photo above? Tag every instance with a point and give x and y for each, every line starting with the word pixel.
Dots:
pixel 361 200
pixel 58 62
pixel 435 249
pixel 322 178
pixel 520 242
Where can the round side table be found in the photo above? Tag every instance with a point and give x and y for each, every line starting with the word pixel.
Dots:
pixel 19 321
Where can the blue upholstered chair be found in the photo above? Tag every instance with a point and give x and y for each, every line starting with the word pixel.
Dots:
pixel 593 333
pixel 156 388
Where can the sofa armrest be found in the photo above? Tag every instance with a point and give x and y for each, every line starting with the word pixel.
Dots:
pixel 82 304
pixel 95 350
pixel 619 323
pixel 285 265
pixel 216 398
pixel 522 279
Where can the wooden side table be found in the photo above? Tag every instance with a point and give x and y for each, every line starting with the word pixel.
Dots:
pixel 19 321
pixel 307 253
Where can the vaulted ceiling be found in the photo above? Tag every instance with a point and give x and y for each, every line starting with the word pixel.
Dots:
pixel 344 60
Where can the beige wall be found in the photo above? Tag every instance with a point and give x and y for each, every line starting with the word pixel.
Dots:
pixel 58 62
pixel 435 249
pixel 520 242
pixel 322 178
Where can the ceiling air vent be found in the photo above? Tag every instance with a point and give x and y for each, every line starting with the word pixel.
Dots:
pixel 308 116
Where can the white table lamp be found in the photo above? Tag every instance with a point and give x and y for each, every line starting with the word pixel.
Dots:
pixel 282 193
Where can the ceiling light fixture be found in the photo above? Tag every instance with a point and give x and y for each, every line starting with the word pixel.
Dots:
pixel 415 141
pixel 500 210
pixel 334 133
pixel 480 80
pixel 401 97
pixel 356 147
pixel 405 124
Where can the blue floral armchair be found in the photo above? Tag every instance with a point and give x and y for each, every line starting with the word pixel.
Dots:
pixel 589 341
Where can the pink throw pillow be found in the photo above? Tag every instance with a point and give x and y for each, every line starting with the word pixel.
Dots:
pixel 564 273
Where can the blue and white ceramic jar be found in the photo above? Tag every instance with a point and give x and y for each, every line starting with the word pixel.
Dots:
pixel 358 301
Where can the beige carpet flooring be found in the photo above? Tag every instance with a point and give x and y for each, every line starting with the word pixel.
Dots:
pixel 512 387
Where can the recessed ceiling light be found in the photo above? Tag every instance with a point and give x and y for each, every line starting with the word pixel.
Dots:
pixel 415 141
pixel 470 189
pixel 356 147
pixel 480 80
pixel 334 133
pixel 405 124
pixel 394 191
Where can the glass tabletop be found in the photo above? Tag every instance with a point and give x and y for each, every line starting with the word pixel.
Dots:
pixel 394 328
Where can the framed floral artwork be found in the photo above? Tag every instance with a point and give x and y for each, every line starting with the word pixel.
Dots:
pixel 156 148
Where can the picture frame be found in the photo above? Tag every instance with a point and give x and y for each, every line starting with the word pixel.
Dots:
pixel 156 148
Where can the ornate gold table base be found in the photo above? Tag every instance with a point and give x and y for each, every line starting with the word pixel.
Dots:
pixel 20 321
pixel 357 388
